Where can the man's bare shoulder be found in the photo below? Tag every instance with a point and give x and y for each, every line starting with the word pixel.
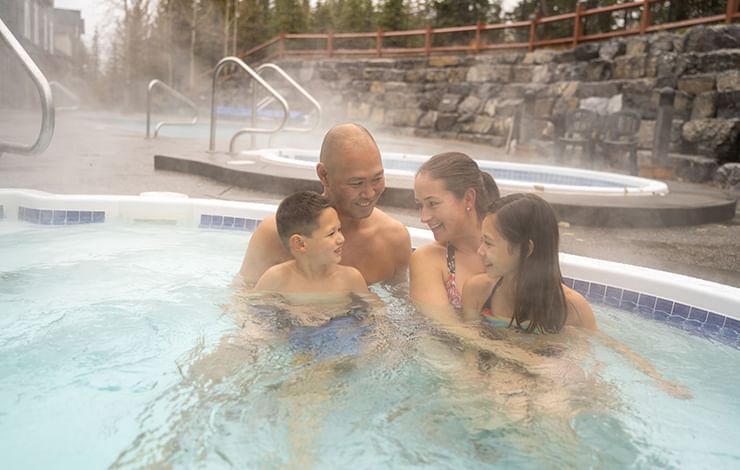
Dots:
pixel 264 250
pixel 388 227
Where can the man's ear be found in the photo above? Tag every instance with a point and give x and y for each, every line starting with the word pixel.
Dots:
pixel 322 173
pixel 530 248
pixel 296 243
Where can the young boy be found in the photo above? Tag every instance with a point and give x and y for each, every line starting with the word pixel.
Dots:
pixel 309 228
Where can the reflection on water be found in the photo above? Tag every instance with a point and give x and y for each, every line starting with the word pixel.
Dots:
pixel 368 382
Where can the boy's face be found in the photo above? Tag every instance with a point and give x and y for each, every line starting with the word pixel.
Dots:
pixel 325 243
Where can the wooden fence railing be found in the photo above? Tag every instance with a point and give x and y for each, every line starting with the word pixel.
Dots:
pixel 284 45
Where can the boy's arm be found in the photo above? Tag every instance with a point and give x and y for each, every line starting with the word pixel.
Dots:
pixel 264 250
pixel 402 250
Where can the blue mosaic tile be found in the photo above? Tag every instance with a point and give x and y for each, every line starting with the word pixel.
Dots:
pixel 251 224
pixel 613 296
pixel 98 217
pixel 568 282
pixel 85 217
pixel 205 220
pixel 59 217
pixel 715 320
pixel 629 299
pixel 732 324
pixel 581 287
pixel 729 333
pixel 32 215
pixel 21 213
pixel 73 217
pixel 228 222
pixel 698 315
pixel 239 223
pixel 646 303
pixel 596 292
pixel 681 310
pixel 660 316
pixel 664 306
pixel 46 216
pixel 216 220
pixel 2 212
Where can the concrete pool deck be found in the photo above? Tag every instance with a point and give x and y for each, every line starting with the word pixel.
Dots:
pixel 93 154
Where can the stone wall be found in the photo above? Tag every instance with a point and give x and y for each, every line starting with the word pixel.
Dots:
pixel 474 97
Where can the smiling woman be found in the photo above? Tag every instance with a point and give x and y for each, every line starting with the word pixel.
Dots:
pixel 452 194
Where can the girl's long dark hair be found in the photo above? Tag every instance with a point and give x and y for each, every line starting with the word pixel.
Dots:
pixel 539 297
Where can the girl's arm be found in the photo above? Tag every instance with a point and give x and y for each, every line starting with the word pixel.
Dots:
pixel 475 292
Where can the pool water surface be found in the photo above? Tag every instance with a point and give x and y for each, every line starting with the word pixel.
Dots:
pixel 105 334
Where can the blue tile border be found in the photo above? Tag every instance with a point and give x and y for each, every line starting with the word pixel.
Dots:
pixel 59 216
pixel 225 222
pixel 713 325
pixel 2 212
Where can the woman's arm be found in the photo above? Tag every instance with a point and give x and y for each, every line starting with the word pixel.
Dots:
pixel 427 277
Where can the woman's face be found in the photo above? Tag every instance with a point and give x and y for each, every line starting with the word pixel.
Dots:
pixel 442 211
pixel 500 257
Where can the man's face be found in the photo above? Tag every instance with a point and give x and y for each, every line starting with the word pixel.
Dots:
pixel 354 180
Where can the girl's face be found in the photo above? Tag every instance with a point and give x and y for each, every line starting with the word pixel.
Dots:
pixel 440 209
pixel 500 257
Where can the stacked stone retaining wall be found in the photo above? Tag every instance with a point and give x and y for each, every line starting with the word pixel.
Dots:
pixel 474 97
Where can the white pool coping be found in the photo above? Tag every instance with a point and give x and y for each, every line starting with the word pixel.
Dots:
pixel 404 179
pixel 180 210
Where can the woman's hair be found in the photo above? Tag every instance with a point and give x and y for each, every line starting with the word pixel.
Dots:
pixel 460 173
pixel 539 296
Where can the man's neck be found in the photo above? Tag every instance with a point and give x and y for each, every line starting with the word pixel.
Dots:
pixel 353 224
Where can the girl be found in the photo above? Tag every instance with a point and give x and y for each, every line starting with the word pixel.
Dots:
pixel 522 285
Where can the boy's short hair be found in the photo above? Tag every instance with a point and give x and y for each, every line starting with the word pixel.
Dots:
pixel 299 213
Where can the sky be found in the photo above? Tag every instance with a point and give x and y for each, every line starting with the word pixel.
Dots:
pixel 95 14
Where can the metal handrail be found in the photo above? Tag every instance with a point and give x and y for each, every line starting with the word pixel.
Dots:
pixel 253 129
pixel 177 95
pixel 69 94
pixel 47 101
pixel 300 89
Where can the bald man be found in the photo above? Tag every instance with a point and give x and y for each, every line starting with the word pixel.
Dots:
pixel 351 172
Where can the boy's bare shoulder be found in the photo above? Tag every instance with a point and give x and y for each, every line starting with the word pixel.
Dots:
pixel 352 278
pixel 274 277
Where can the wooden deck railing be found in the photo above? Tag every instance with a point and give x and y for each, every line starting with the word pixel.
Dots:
pixel 284 45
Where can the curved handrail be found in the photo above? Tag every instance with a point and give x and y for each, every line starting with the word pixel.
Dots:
pixel 177 95
pixel 301 90
pixel 254 129
pixel 47 101
pixel 69 94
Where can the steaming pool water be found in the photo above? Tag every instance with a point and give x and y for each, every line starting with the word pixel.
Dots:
pixel 104 325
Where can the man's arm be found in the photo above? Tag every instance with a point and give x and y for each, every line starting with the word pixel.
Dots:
pixel 264 250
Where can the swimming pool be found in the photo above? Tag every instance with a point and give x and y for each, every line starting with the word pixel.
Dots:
pixel 110 302
pixel 511 177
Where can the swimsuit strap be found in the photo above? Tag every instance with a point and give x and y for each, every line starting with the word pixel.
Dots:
pixel 451 258
pixel 453 294
pixel 489 300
